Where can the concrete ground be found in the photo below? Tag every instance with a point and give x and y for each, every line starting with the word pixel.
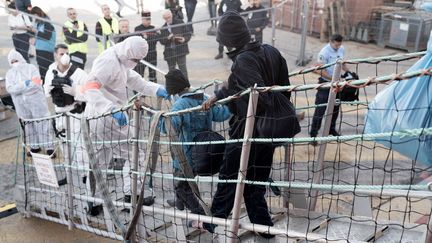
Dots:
pixel 202 69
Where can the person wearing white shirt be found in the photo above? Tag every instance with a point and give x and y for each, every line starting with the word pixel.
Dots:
pixel 328 54
pixel 20 24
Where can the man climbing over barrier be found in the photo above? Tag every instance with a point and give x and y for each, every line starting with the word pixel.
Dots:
pixel 106 91
pixel 253 64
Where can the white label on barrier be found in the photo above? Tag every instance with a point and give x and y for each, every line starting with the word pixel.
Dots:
pixel 403 26
pixel 45 170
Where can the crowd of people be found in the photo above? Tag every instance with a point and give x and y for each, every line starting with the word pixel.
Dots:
pixel 61 78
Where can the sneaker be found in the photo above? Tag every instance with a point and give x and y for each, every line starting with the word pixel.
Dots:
pixel 218 56
pixel 36 150
pixel 334 133
pixel 176 203
pixel 267 236
pixel 196 224
pixel 51 153
pixel 62 182
pixel 95 210
pixel 148 201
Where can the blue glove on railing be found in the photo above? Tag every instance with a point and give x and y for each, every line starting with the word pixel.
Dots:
pixel 27 82
pixel 121 119
pixel 161 92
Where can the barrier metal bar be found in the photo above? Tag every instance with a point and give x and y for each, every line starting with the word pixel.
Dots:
pixel 53 22
pixel 208 219
pixel 244 160
pixel 273 16
pixel 326 128
pixel 135 156
pixel 200 21
pixel 69 174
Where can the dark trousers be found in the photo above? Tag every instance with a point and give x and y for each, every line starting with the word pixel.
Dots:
pixel 212 11
pixel 79 59
pixel 180 61
pixel 21 44
pixel 140 68
pixel 259 167
pixel 184 193
pixel 44 59
pixel 322 98
pixel 190 6
pixel 259 36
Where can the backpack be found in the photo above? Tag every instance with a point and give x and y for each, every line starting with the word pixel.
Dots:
pixel 207 159
pixel 349 93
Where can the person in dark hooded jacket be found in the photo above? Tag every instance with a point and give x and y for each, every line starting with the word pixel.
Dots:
pixel 253 64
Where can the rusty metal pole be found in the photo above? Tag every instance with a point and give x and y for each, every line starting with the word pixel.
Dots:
pixel 317 174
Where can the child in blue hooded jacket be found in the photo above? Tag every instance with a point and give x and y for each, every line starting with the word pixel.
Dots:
pixel 188 126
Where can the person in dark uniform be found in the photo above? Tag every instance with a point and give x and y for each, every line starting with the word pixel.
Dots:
pixel 151 37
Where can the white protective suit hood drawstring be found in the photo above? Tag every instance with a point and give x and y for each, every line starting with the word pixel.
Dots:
pixel 131 50
pixel 14 55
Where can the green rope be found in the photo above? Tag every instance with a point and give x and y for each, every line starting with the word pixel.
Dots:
pixel 285 184
pixel 355 137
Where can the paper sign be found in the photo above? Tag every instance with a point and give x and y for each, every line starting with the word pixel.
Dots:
pixel 45 170
pixel 403 26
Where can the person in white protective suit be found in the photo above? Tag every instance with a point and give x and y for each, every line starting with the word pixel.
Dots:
pixel 62 83
pixel 106 90
pixel 23 83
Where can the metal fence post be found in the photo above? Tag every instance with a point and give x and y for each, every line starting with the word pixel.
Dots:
pixel 244 160
pixel 326 128
pixel 273 15
pixel 302 60
pixel 69 173
pixel 135 155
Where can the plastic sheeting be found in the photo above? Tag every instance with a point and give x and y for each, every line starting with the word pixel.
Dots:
pixel 405 105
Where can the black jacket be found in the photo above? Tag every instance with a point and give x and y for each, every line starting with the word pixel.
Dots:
pixel 226 5
pixel 172 47
pixel 152 38
pixel 253 64
pixel 256 19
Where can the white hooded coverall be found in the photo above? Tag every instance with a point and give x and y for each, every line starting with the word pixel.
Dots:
pixel 106 90
pixel 79 156
pixel 30 102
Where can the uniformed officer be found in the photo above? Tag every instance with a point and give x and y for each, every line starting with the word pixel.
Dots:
pixel 76 38
pixel 330 53
pixel 106 26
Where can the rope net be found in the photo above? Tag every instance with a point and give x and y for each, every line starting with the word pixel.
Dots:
pixel 360 189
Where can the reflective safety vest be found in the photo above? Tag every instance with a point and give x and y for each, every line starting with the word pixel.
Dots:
pixel 77 47
pixel 107 31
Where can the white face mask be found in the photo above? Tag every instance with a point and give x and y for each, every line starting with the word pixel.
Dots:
pixel 15 64
pixel 65 59
pixel 130 64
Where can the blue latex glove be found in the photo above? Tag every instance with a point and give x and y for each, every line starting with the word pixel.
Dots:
pixel 120 117
pixel 27 82
pixel 161 92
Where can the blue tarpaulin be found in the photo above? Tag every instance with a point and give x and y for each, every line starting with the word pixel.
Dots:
pixel 405 104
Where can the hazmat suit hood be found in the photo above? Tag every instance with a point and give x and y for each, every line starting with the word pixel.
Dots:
pixel 14 55
pixel 130 50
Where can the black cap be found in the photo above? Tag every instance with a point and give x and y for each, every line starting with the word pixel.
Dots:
pixel 232 30
pixel 146 14
pixel 176 82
